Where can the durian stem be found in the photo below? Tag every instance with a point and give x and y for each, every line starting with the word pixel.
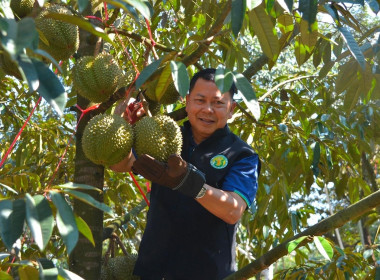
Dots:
pixel 145 105
pixel 118 242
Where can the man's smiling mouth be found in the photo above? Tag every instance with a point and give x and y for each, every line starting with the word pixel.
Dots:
pixel 208 121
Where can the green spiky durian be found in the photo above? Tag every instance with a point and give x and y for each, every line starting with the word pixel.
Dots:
pixel 170 95
pixel 8 66
pixel 62 37
pixel 21 8
pixel 121 268
pixel 97 78
pixel 107 139
pixel 157 136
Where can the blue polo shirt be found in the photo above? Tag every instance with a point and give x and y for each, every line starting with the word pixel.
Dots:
pixel 242 176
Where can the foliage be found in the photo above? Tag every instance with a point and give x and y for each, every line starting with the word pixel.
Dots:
pixel 309 80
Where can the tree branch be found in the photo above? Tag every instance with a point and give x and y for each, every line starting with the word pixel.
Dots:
pixel 337 220
pixel 142 39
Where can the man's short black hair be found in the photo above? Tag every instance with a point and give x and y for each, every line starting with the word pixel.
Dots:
pixel 208 74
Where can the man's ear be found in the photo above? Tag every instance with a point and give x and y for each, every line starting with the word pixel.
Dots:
pixel 187 101
pixel 233 106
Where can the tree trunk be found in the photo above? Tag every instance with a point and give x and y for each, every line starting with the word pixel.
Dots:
pixel 85 259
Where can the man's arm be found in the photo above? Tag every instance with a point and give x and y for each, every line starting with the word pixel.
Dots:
pixel 182 176
pixel 228 206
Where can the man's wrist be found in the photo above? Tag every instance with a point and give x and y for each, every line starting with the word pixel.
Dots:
pixel 192 183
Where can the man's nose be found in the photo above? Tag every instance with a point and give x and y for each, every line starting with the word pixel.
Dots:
pixel 208 106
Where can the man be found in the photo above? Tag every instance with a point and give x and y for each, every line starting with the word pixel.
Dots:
pixel 198 198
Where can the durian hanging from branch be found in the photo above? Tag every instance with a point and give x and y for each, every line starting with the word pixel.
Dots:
pixel 97 78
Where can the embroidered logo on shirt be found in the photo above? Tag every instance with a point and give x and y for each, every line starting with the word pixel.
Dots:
pixel 219 161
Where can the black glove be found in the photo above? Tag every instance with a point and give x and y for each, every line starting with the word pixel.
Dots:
pixel 176 174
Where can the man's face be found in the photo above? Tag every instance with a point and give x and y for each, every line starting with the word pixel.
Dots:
pixel 208 109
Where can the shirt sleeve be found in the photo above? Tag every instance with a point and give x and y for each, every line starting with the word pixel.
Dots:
pixel 242 178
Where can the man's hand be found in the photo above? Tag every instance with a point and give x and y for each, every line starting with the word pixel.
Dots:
pixel 176 174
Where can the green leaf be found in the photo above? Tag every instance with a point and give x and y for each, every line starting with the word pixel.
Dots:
pixel 163 82
pixel 377 274
pixel 352 46
pixel 333 12
pixel 308 9
pixel 283 127
pixel 285 23
pixel 40 219
pixel 251 4
pixel 27 273
pixel 8 188
pixel 65 221
pixel 325 69
pixel 147 72
pixel 4 256
pixel 28 72
pixel 352 96
pixel 82 5
pixel 50 87
pixel 294 221
pixel 90 200
pixel 48 56
pixel 347 76
pixel 289 3
pixel 84 229
pixel 294 243
pixel 19 35
pixel 143 7
pixel 223 79
pixel 126 7
pixel 316 158
pixel 68 275
pixel 83 24
pixel 309 35
pixel 374 5
pixel 265 31
pixel 12 217
pixel 47 269
pixel 237 15
pixel 180 77
pixel 324 247
pixel 75 186
pixel 5 276
pixel 248 94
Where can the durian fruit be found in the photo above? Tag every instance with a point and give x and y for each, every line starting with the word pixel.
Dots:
pixel 62 37
pixel 120 268
pixel 170 96
pixel 8 66
pixel 107 139
pixel 97 78
pixel 158 136
pixel 22 8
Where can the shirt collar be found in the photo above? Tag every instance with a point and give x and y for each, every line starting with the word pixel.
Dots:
pixel 217 134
